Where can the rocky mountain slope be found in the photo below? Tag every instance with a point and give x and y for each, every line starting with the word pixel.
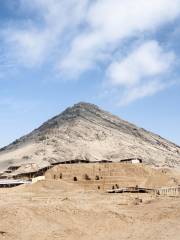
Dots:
pixel 86 132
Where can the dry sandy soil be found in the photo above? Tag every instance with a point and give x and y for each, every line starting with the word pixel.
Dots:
pixel 58 210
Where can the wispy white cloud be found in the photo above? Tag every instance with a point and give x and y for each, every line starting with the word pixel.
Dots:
pixel 34 40
pixel 141 91
pixel 80 35
pixel 147 60
pixel 28 47
pixel 110 23
pixel 142 72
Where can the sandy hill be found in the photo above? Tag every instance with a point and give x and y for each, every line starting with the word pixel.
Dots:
pixel 86 132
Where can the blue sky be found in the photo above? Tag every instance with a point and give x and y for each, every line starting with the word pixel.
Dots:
pixel 121 55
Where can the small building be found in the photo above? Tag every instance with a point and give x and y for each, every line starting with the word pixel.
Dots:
pixel 131 160
pixel 37 179
pixel 9 183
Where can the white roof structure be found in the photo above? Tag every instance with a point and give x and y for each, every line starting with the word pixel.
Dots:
pixel 13 182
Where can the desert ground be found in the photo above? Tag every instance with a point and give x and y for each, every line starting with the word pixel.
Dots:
pixel 54 209
pixel 61 208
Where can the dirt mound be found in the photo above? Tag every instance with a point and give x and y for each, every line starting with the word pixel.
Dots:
pixel 106 175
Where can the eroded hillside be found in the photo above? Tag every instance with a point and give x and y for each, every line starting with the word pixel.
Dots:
pixel 86 132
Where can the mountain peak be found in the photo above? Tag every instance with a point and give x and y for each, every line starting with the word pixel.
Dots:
pixel 85 105
pixel 81 109
pixel 81 106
